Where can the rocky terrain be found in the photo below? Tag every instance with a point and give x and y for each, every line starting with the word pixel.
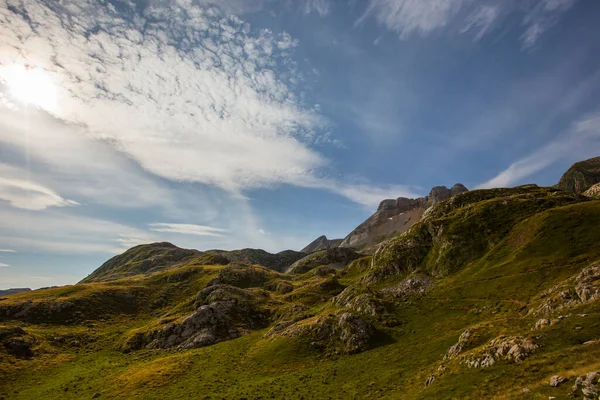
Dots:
pixel 489 294
pixel 321 243
pixel 396 216
pixel 581 176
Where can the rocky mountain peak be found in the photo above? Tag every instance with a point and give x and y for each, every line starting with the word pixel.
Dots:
pixel 394 216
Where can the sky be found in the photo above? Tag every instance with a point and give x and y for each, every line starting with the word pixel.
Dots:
pixel 261 123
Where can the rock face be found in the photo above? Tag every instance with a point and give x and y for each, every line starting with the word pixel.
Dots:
pixel 336 257
pixel 344 333
pixel 224 313
pixel 581 176
pixel 574 291
pixel 396 216
pixel 321 243
pixel 593 192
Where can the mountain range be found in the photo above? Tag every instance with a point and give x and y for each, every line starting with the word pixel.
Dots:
pixel 489 293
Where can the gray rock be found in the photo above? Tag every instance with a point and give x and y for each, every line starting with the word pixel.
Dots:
pixel 344 333
pixel 557 380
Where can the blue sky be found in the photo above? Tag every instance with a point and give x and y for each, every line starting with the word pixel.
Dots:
pixel 265 124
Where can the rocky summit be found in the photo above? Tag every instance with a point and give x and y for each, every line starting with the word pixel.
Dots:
pixel 581 176
pixel 468 295
pixel 396 216
pixel 321 243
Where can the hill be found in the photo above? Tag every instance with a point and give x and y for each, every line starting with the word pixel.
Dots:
pixel 8 292
pixel 147 259
pixel 581 176
pixel 492 294
pixel 321 243
pixel 396 216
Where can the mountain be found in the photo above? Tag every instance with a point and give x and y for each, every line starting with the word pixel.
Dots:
pixel 147 259
pixel 396 216
pixel 321 243
pixel 581 176
pixel 492 294
pixel 8 292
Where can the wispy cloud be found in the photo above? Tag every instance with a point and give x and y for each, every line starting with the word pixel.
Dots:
pixel 423 17
pixel 22 193
pixel 322 7
pixel 7 251
pixel 187 229
pixel 2 265
pixel 582 139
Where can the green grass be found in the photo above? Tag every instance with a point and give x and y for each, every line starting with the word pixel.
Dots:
pixel 510 247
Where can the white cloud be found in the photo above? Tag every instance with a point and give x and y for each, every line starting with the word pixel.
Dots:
pixel 7 251
pixel 322 7
pixel 581 141
pixel 187 229
pixel 216 106
pixel 23 193
pixel 2 265
pixel 423 17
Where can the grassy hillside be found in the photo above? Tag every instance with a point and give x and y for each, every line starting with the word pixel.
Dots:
pixel 490 296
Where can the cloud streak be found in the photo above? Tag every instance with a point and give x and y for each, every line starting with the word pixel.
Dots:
pixel 583 138
pixel 2 265
pixel 187 229
pixel 22 193
pixel 424 17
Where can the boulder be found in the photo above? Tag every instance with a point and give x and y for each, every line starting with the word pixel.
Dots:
pixel 556 380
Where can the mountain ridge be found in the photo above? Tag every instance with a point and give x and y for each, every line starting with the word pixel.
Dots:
pixel 493 293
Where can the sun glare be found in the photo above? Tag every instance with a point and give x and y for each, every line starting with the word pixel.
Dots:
pixel 30 85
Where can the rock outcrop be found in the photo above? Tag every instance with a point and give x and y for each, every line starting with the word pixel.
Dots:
pixel 344 333
pixel 574 291
pixel 593 192
pixel 513 348
pixel 396 216
pixel 336 257
pixel 581 176
pixel 321 243
pixel 224 312
pixel 587 385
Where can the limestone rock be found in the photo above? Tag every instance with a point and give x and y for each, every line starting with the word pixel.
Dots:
pixel 395 216
pixel 512 348
pixel 586 385
pixel 574 291
pixel 593 192
pixel 230 313
pixel 556 380
pixel 344 333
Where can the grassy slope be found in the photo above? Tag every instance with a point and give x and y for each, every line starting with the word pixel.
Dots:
pixel 492 292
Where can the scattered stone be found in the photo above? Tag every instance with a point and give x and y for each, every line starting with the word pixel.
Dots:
pixel 542 323
pixel 513 348
pixel 556 380
pixel 586 385
pixel 574 291
pixel 525 390
pixel 457 348
pixel 429 380
pixel 96 395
